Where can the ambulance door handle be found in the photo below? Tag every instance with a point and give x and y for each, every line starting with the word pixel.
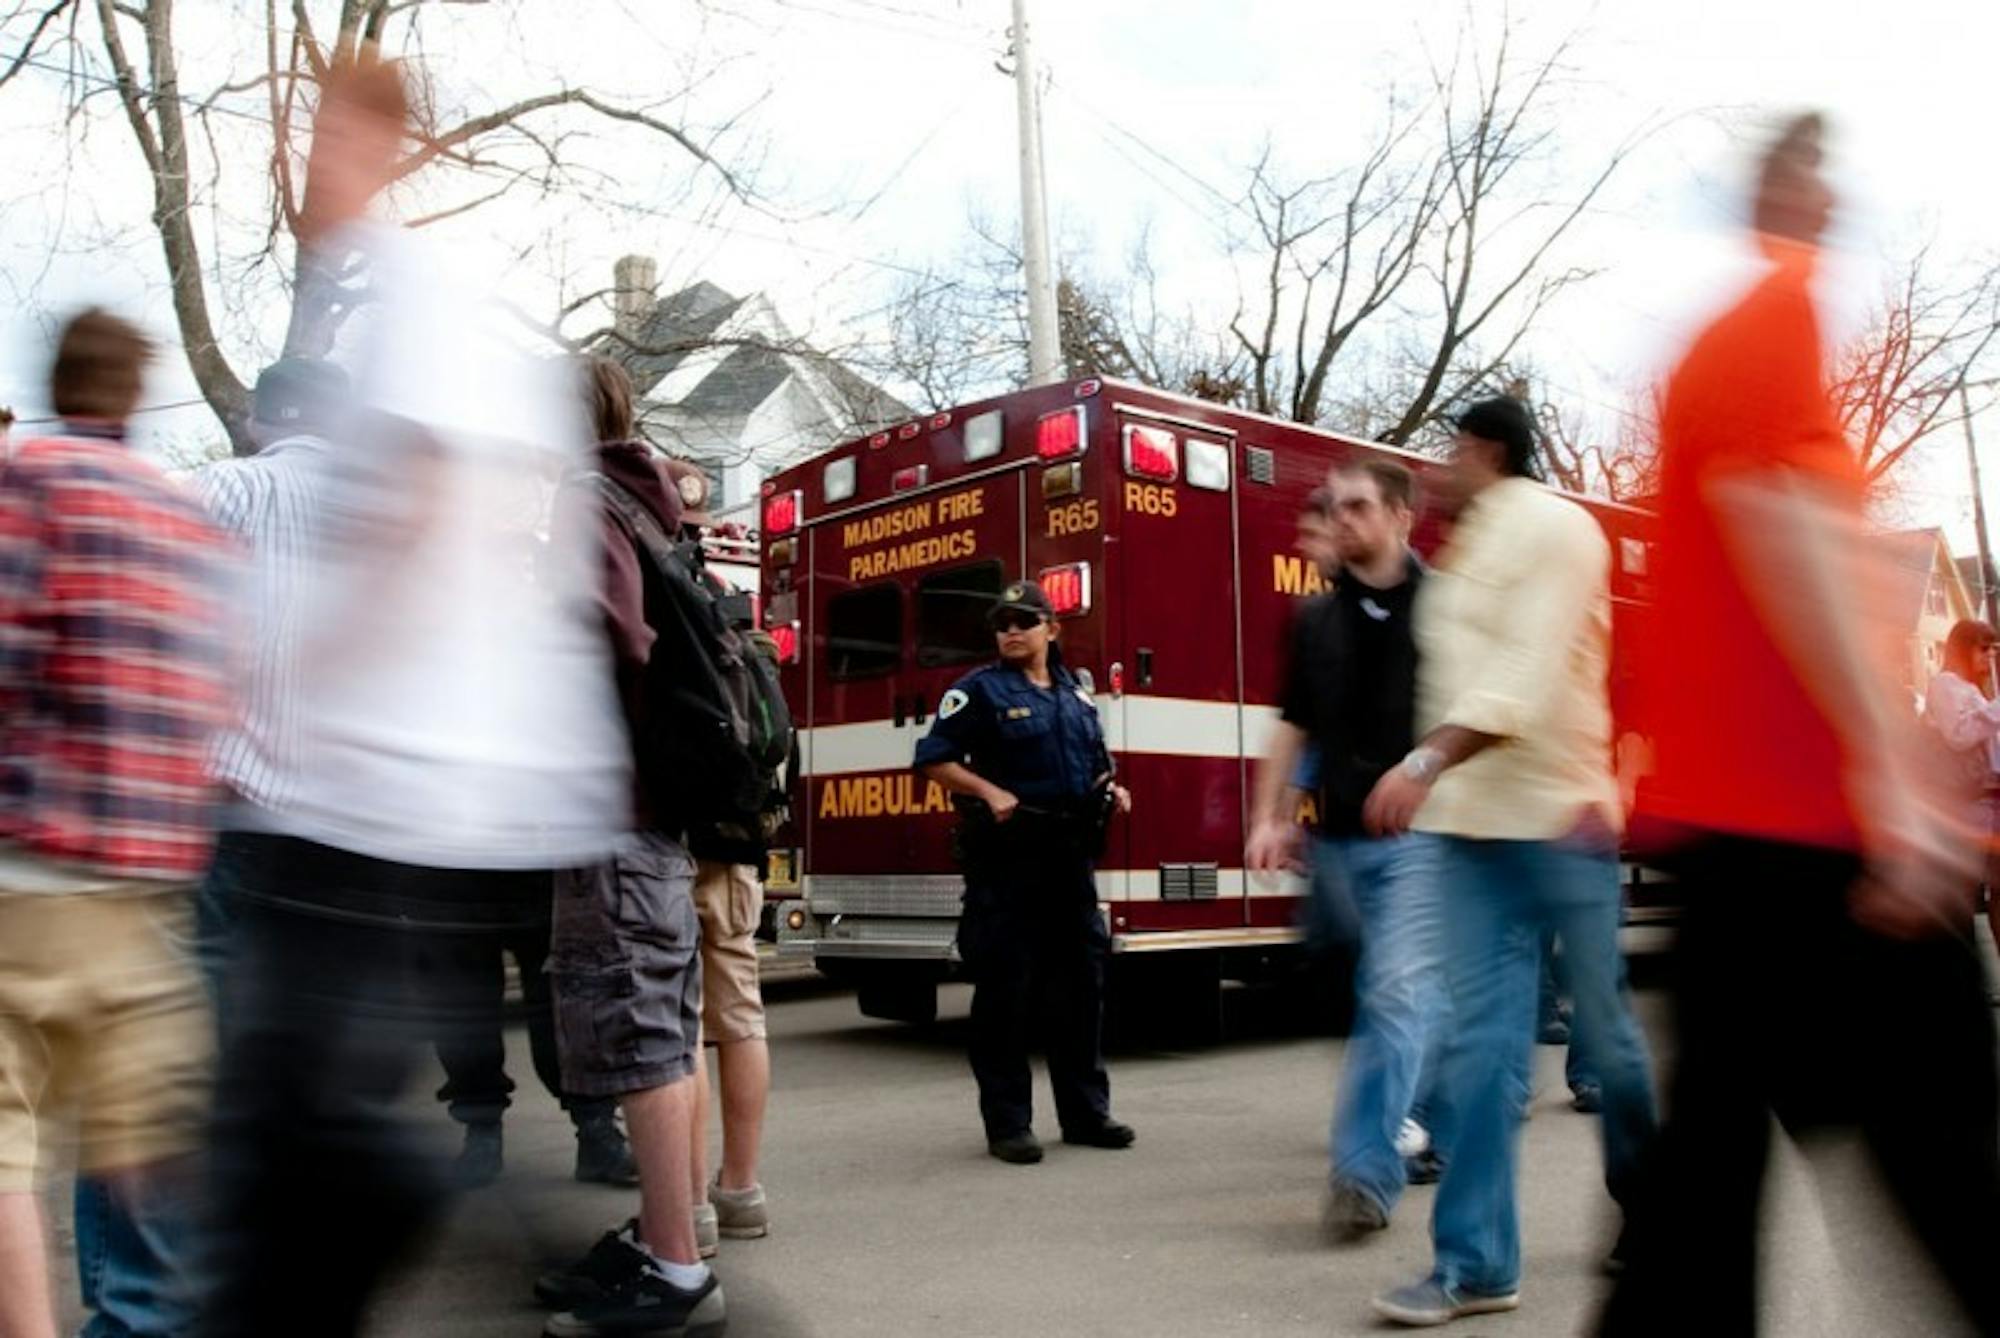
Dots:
pixel 899 711
pixel 1145 658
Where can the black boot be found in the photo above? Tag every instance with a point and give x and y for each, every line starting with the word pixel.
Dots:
pixel 479 1160
pixel 603 1157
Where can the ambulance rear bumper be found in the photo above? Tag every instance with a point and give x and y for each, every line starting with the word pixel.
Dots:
pixel 805 931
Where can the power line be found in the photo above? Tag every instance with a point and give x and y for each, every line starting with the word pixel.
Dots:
pixel 144 408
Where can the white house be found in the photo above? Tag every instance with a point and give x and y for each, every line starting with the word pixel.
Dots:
pixel 722 381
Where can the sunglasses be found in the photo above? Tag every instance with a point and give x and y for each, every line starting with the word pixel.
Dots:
pixel 1016 622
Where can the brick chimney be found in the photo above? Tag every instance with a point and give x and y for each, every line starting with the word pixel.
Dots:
pixel 633 279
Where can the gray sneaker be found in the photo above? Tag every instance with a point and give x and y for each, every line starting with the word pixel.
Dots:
pixel 1351 1212
pixel 707 1233
pixel 1427 1304
pixel 740 1213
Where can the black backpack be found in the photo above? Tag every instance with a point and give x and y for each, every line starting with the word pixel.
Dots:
pixel 716 734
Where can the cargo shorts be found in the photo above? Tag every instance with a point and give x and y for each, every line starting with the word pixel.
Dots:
pixel 625 963
pixel 729 900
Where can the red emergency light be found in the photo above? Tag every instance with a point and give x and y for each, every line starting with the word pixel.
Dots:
pixel 908 477
pixel 1068 588
pixel 878 441
pixel 908 431
pixel 1151 453
pixel 785 636
pixel 781 513
pixel 1059 434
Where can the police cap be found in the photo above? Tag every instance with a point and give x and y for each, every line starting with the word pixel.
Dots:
pixel 1021 597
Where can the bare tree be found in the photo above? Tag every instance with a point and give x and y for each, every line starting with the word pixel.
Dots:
pixel 1925 338
pixel 1497 121
pixel 1335 250
pixel 483 152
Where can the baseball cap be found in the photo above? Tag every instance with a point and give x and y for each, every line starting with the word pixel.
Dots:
pixel 298 393
pixel 1506 422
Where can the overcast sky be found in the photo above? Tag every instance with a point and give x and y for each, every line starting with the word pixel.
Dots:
pixel 874 125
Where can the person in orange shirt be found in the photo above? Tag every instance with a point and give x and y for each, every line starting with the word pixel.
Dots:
pixel 1824 974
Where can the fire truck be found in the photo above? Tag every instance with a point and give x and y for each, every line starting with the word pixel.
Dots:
pixel 1163 530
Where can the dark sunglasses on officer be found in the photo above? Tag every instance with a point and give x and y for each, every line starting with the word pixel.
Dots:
pixel 1016 620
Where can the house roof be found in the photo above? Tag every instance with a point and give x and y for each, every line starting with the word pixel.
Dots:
pixel 677 327
pixel 1915 555
pixel 740 373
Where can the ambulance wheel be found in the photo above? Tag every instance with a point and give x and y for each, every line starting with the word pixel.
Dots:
pixel 897 996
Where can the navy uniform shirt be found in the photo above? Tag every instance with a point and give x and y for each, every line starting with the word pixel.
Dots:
pixel 1045 746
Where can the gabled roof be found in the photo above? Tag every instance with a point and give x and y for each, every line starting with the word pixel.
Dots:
pixel 676 327
pixel 734 354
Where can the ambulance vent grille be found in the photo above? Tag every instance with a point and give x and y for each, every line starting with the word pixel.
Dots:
pixel 922 894
pixel 1187 882
pixel 1260 465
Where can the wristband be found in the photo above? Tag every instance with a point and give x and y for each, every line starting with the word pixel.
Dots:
pixel 1423 764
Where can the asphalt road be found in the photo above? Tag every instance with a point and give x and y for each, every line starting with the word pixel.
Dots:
pixel 889 1220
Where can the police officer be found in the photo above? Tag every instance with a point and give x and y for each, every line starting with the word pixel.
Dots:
pixel 1020 743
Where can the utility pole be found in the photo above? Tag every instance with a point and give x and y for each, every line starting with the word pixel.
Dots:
pixel 1044 346
pixel 1992 600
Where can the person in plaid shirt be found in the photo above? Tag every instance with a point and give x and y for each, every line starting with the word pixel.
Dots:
pixel 112 678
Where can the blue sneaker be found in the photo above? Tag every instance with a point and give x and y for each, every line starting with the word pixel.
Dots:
pixel 1427 1304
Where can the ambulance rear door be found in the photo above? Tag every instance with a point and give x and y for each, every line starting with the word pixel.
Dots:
pixel 1178 641
pixel 900 592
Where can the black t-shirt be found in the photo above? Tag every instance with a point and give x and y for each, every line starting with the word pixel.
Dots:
pixel 1351 686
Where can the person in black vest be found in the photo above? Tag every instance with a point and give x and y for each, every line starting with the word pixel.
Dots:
pixel 1349 693
pixel 1020 743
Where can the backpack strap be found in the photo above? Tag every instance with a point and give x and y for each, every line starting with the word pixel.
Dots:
pixel 633 515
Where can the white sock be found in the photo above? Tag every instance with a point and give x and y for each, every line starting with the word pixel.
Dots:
pixel 687 1277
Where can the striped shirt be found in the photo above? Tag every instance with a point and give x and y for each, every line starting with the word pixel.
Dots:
pixel 112 660
pixel 269 502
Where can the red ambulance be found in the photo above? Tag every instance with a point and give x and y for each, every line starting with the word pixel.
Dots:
pixel 1162 528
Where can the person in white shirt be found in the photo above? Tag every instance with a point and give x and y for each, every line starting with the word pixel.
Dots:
pixel 458 741
pixel 1960 707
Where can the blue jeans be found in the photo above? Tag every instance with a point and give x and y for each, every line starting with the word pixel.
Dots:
pixel 1500 897
pixel 131 1244
pixel 1399 1000
pixel 136 1244
pixel 1554 990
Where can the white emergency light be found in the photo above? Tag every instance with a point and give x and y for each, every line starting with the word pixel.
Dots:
pixel 1208 465
pixel 984 435
pixel 837 480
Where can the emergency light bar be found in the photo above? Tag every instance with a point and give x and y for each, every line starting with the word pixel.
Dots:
pixel 1151 453
pixel 1059 434
pixel 781 512
pixel 1068 588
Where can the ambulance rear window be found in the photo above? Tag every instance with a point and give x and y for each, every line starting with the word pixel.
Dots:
pixel 951 614
pixel 865 631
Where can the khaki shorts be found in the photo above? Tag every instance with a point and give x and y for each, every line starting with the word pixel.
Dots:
pixel 729 899
pixel 101 1009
